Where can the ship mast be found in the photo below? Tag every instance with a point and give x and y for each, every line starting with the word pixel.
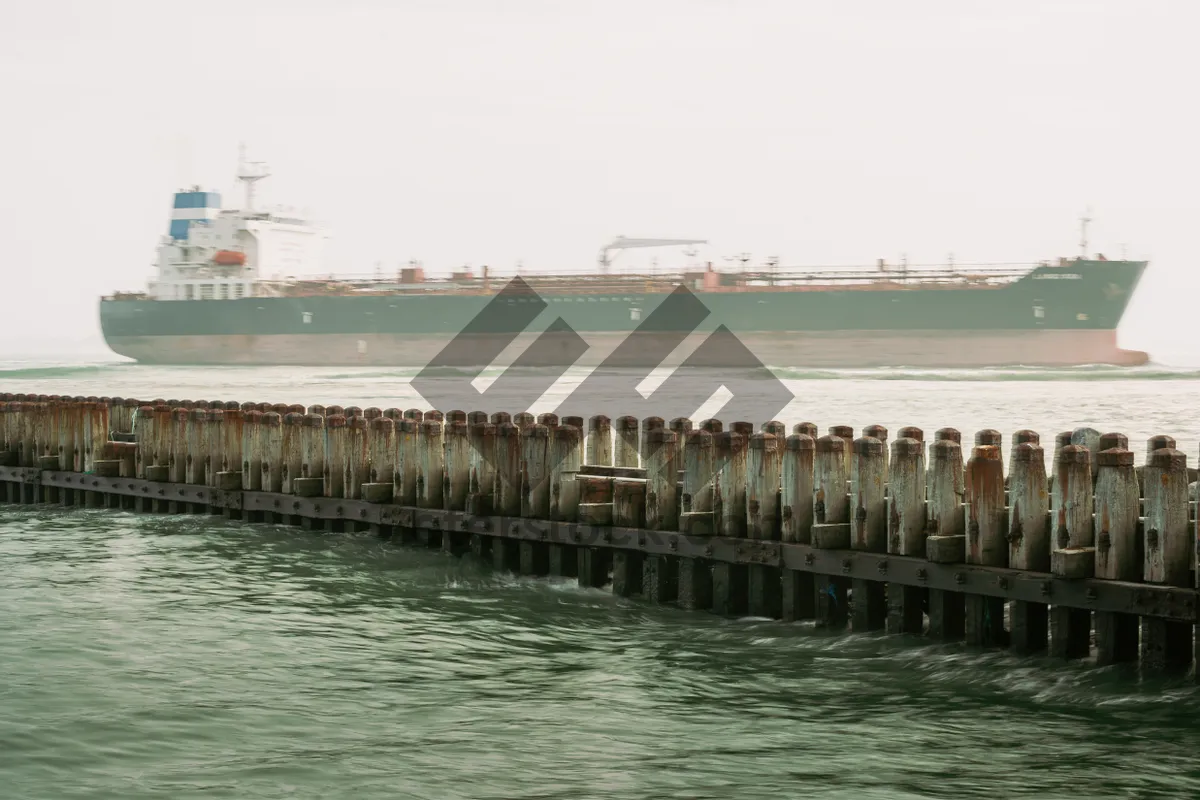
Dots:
pixel 249 173
pixel 1083 226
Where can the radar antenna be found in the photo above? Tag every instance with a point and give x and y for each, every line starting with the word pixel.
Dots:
pixel 250 173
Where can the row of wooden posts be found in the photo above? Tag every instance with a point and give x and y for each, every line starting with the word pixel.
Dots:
pixel 1095 529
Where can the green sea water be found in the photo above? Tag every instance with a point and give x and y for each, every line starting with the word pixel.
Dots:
pixel 189 657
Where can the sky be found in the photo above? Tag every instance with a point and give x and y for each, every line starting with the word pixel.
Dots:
pixel 531 131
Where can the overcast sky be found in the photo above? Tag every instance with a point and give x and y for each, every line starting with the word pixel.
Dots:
pixel 492 132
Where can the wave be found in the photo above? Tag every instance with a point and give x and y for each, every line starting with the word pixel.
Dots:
pixel 58 370
pixel 1089 372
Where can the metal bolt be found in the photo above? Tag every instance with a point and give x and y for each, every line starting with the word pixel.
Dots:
pixel 922 575
pixel 960 578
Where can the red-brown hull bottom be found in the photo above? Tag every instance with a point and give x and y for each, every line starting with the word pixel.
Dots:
pixel 825 349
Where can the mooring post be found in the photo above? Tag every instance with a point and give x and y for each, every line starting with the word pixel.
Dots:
pixel 535 495
pixel 986 537
pixel 1168 559
pixel 271 433
pixel 482 479
pixel 1073 554
pixel 1117 557
pixel 905 531
pixel 946 539
pixel 197 447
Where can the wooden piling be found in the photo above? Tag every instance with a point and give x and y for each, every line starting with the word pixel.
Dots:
pixel 868 527
pixel 197 447
pixel 1167 555
pixel 796 520
pixel 729 581
pixel 946 541
pixel 696 517
pixel 986 537
pixel 625 451
pixel 599 441
pixel 336 441
pixel 831 525
pixel 1117 552
pixel 906 530
pixel 660 573
pixel 1073 554
pixel 271 431
pixel 1029 538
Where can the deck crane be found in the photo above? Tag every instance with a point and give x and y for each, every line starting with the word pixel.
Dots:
pixel 622 243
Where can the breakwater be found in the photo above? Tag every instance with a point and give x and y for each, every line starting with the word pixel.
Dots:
pixel 1076 550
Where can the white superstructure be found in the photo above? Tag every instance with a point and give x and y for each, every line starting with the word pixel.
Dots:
pixel 214 254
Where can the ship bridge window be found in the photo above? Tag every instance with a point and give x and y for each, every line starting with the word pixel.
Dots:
pixel 238 290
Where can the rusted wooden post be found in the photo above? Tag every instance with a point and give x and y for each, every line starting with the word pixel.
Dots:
pixel 986 537
pixel 1089 438
pixel 408 462
pixel 197 447
pixel 1117 557
pixel 214 426
pixel 271 431
pixel 696 517
pixel 481 484
pixel 1167 555
pixel 523 420
pixel 68 421
pixel 381 481
pixel 290 453
pixel 178 452
pixel 482 481
pixel 336 436
pixel 457 445
pixel 1028 538
pixel 625 452
pixel 430 480
pixel 796 522
pixel 729 581
pixel 566 457
pixel 713 426
pixel 1073 554
pixel 868 527
pixel 357 464
pixel 906 530
pixel 831 526
pixel 599 441
pixel 660 573
pixel 535 495
pixel 1061 440
pixel 946 542
pixel 309 480
pixel 806 429
pixel 507 495
pixel 881 433
pixel 252 463
pixel 501 418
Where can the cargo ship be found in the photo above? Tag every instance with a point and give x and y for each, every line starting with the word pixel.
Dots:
pixel 237 286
